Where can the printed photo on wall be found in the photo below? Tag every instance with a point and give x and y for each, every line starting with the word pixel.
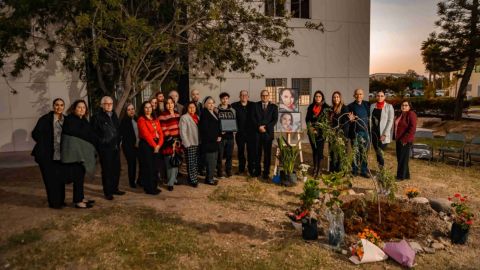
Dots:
pixel 289 122
pixel 288 100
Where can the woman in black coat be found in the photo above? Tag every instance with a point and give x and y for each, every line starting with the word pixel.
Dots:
pixel 210 137
pixel 77 125
pixel 340 121
pixel 129 135
pixel 315 112
pixel 47 135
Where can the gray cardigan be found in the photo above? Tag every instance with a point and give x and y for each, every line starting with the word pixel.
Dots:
pixel 386 121
pixel 188 131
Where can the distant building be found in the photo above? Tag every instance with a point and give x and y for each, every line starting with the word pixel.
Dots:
pixel 473 87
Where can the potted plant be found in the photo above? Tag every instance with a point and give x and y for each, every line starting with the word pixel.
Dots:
pixel 462 219
pixel 304 217
pixel 288 158
pixel 336 184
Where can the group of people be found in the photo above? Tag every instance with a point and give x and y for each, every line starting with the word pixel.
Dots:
pixel 165 134
pixel 363 124
pixel 159 139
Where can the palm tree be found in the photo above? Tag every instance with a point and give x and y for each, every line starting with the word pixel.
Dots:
pixel 433 58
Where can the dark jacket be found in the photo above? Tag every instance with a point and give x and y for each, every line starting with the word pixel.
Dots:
pixel 127 134
pixel 81 128
pixel 209 131
pixel 107 130
pixel 341 119
pixel 358 125
pixel 43 136
pixel 269 118
pixel 311 118
pixel 405 130
pixel 245 129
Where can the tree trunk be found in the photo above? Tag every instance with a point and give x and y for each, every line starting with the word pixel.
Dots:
pixel 127 89
pixel 472 55
pixel 462 91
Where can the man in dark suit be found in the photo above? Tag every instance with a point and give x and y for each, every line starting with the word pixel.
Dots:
pixel 245 136
pixel 107 127
pixel 265 117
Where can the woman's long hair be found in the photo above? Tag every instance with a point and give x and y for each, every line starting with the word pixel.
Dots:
pixel 337 108
pixel 321 93
pixel 72 108
pixel 141 113
pixel 125 108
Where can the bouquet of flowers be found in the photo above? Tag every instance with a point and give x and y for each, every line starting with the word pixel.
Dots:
pixel 367 250
pixel 412 192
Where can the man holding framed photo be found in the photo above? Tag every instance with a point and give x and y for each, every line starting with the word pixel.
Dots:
pixel 228 123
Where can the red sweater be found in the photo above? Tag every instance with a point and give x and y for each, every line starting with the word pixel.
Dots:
pixel 148 132
pixel 405 127
pixel 170 128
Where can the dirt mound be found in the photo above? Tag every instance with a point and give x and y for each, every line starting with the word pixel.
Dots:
pixel 400 219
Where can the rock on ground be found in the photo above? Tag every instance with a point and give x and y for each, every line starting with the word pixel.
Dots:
pixel 441 205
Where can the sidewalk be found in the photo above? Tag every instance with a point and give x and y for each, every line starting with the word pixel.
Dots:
pixel 16 160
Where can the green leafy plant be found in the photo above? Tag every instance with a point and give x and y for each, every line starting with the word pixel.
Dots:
pixel 288 155
pixel 311 192
pixel 387 183
pixel 336 184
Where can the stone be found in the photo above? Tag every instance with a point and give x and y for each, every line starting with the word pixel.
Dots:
pixel 441 205
pixel 429 250
pixel 416 246
pixel 437 245
pixel 421 200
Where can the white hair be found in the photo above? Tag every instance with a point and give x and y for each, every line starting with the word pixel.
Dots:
pixel 105 98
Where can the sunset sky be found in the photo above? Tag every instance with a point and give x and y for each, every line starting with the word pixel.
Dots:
pixel 398 28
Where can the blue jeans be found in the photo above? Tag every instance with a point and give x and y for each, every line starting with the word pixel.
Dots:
pixel 362 140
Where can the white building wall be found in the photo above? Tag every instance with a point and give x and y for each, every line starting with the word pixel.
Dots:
pixel 35 92
pixel 337 59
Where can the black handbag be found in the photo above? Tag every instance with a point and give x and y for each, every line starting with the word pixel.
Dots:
pixel 176 158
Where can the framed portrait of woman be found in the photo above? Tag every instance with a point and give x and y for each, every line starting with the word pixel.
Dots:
pixel 288 100
pixel 289 122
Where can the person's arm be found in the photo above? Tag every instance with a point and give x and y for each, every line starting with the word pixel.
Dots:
pixel 161 139
pixel 390 119
pixel 144 133
pixel 412 126
pixel 182 127
pixel 308 117
pixel 273 121
pixel 39 129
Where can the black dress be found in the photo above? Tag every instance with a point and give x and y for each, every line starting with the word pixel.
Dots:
pixel 53 172
pixel 318 144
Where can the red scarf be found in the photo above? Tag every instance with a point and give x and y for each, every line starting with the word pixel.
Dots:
pixel 194 117
pixel 380 105
pixel 316 109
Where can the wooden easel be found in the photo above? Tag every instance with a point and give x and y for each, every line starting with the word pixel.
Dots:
pixel 299 144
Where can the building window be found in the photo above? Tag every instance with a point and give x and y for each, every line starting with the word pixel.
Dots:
pixel 275 8
pixel 300 9
pixel 304 86
pixel 147 93
pixel 273 85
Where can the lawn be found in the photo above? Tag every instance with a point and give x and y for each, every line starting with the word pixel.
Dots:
pixel 239 224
